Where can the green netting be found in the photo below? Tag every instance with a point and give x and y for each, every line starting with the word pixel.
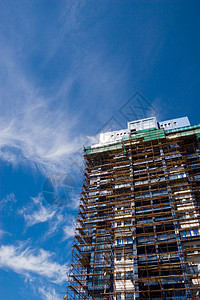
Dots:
pixel 188 132
pixel 183 128
pixel 144 130
pixel 148 135
pixel 102 149
pixel 198 136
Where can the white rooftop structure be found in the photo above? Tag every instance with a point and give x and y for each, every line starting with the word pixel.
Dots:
pixel 147 123
pixel 175 123
pixel 113 136
pixel 142 124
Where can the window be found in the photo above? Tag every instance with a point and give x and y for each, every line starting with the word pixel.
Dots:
pixel 119 241
pixel 118 276
pixel 129 274
pixel 119 223
pixel 128 240
pixel 129 296
pixel 118 297
pixel 129 256
pixel 118 255
pixel 98 256
pixel 127 222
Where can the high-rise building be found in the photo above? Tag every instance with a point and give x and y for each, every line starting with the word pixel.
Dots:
pixel 137 233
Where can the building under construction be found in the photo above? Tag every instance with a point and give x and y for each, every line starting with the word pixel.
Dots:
pixel 137 234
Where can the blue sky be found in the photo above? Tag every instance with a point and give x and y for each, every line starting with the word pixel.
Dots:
pixel 68 69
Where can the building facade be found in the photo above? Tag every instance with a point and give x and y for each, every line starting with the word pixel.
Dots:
pixel 137 234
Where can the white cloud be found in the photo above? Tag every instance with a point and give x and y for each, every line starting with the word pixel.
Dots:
pixel 49 293
pixel 38 137
pixel 61 221
pixel 37 213
pixel 69 229
pixel 38 123
pixel 29 262
pixel 30 130
pixel 55 225
pixel 9 198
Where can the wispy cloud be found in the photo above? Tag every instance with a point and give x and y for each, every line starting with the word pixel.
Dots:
pixel 55 225
pixel 33 127
pixel 10 198
pixel 69 229
pixel 30 262
pixel 61 222
pixel 37 122
pixel 38 136
pixel 37 213
pixel 38 119
pixel 48 293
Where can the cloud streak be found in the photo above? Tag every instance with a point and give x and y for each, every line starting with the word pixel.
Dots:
pixel 38 136
pixel 57 219
pixel 33 127
pixel 40 125
pixel 10 198
pixel 37 213
pixel 29 262
pixel 48 293
pixel 69 229
pixel 42 121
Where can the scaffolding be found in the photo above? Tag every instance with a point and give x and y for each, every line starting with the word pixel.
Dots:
pixel 137 234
